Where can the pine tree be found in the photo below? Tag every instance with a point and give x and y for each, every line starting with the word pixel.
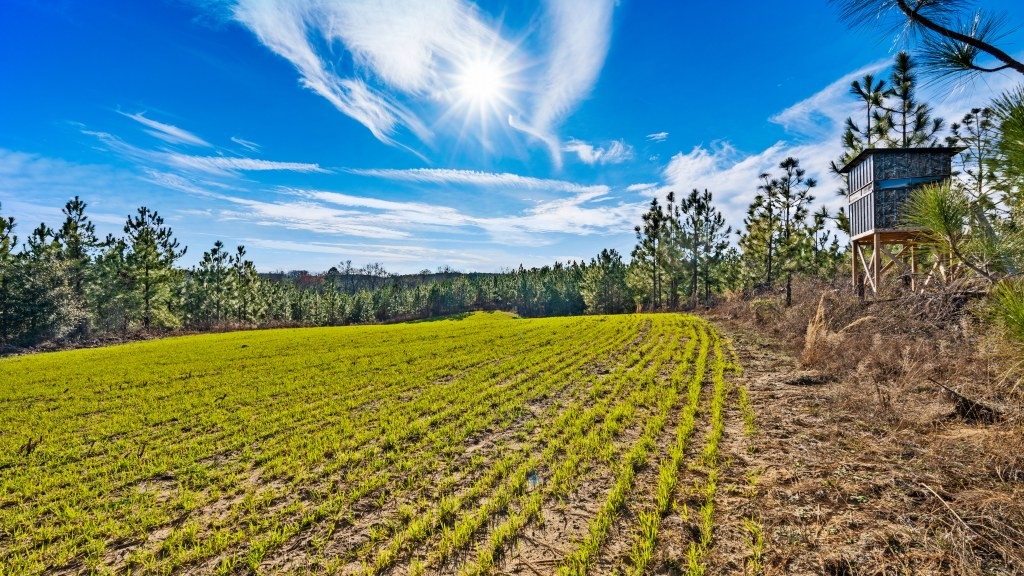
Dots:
pixel 826 254
pixel 48 307
pixel 219 281
pixel 246 283
pixel 150 263
pixel 77 240
pixel 603 284
pixel 911 124
pixel 649 253
pixel 702 240
pixel 977 133
pixel 676 242
pixel 793 199
pixel 877 121
pixel 110 290
pixel 1009 159
pixel 687 221
pixel 952 34
pixel 758 240
pixel 776 236
pixel 712 240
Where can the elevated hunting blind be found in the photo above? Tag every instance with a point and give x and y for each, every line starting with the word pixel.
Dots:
pixel 880 181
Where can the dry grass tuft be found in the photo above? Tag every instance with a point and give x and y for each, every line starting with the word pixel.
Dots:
pixel 875 470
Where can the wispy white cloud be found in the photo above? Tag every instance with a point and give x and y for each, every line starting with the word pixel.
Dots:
pixel 732 176
pixel 579 34
pixel 822 114
pixel 641 187
pixel 615 152
pixel 176 182
pixel 431 34
pixel 396 253
pixel 297 211
pixel 399 213
pixel 320 221
pixel 579 215
pixel 287 29
pixel 952 102
pixel 310 216
pixel 563 207
pixel 408 46
pixel 473 178
pixel 167 132
pixel 658 137
pixel 224 164
pixel 248 144
pixel 585 211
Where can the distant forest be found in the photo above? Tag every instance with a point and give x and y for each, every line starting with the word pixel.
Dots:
pixel 68 285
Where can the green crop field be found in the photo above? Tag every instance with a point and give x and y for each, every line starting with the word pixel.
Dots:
pixel 473 445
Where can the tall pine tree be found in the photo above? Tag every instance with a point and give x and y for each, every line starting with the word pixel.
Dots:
pixel 77 240
pixel 649 254
pixel 793 200
pixel 152 252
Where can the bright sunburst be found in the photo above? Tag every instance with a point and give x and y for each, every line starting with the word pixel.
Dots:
pixel 482 92
pixel 481 82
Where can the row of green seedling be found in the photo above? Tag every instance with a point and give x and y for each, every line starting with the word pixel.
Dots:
pixel 562 478
pixel 649 520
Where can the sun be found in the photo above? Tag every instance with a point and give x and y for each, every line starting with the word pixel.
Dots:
pixel 481 82
pixel 481 91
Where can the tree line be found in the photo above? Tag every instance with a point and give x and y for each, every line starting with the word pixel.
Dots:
pixel 67 284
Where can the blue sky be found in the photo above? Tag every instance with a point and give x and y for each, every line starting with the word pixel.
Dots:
pixel 419 133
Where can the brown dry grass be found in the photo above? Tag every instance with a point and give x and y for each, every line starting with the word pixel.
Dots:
pixel 868 468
